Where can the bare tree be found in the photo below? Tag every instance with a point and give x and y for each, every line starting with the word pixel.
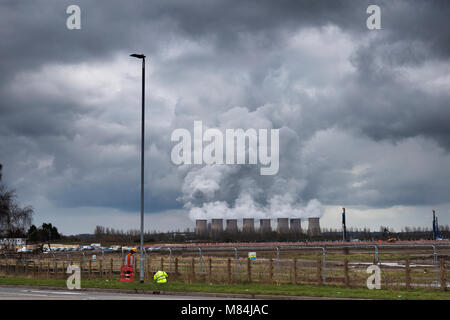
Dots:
pixel 14 220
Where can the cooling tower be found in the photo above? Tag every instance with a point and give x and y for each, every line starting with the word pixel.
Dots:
pixel 313 226
pixel 264 225
pixel 201 228
pixel 248 225
pixel 296 225
pixel 232 225
pixel 216 225
pixel 283 225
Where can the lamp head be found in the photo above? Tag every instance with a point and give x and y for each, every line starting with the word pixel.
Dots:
pixel 139 56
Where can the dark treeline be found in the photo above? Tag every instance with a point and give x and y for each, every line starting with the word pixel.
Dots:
pixel 105 234
pixel 364 234
pixel 45 233
pixel 110 235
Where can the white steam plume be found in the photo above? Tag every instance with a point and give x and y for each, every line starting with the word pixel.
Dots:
pixel 239 191
pixel 232 192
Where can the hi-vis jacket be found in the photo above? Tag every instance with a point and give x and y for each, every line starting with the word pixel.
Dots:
pixel 160 277
pixel 129 260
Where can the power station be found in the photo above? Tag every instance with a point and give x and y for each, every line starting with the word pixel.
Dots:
pixel 201 228
pixel 284 225
pixel 295 225
pixel 232 225
pixel 248 225
pixel 264 225
pixel 313 226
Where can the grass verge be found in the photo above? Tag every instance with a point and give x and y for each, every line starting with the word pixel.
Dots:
pixel 257 289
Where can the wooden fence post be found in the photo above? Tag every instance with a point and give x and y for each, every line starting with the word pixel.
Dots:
pixel 26 268
pixel 176 268
pixel 407 275
pixel 271 270
pixel 346 275
pixel 162 263
pixel 16 269
pixel 209 269
pixel 48 269
pixel 56 270
pixel 229 270
pixel 90 268
pixel 294 271
pixel 319 272
pixel 34 269
pixel 40 269
pixel 442 277
pixel 111 266
pixel 346 251
pixel 150 263
pixel 249 271
pixel 193 269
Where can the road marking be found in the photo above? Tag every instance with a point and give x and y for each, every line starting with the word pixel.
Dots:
pixel 8 294
pixel 54 292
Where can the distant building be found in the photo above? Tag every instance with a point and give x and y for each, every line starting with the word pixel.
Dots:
pixel 8 242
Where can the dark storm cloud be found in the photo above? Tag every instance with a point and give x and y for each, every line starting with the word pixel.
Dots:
pixel 232 64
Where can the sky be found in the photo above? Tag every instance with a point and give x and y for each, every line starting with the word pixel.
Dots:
pixel 363 114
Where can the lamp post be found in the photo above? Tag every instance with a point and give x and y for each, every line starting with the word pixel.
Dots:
pixel 344 227
pixel 141 269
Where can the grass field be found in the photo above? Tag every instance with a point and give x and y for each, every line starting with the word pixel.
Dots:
pixel 257 289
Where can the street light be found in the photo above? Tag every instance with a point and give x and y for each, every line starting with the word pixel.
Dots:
pixel 344 227
pixel 141 56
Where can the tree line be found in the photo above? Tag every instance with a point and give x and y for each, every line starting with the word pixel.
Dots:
pixel 110 235
pixel 105 234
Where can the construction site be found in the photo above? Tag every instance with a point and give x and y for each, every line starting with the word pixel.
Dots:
pixel 403 265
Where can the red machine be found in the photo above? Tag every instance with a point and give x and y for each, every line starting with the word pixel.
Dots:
pixel 126 274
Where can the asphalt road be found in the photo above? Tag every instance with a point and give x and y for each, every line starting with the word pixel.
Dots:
pixel 20 293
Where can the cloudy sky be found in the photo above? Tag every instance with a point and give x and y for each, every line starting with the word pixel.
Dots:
pixel 363 114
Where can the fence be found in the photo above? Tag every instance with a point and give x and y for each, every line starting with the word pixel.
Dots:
pixel 401 266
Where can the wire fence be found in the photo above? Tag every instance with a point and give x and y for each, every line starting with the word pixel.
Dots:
pixel 402 266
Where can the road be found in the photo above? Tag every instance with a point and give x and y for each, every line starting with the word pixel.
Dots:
pixel 21 293
pixel 36 293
